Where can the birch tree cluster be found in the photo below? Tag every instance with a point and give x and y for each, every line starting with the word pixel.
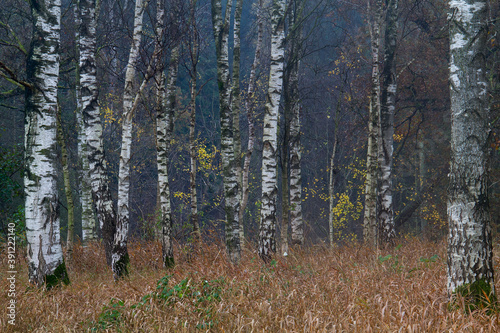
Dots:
pixel 264 125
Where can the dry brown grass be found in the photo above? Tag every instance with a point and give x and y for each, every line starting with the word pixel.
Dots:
pixel 347 289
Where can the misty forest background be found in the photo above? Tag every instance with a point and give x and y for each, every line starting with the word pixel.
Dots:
pixel 352 287
pixel 334 89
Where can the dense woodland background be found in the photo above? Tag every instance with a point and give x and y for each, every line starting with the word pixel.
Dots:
pixel 334 86
pixel 351 287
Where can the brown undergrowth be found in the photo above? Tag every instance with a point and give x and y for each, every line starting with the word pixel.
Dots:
pixel 348 289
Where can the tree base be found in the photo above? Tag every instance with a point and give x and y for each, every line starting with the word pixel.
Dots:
pixel 476 295
pixel 60 276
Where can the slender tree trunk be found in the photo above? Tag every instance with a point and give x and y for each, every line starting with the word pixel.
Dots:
pixel 470 257
pixel 231 190
pixel 161 157
pixel 332 173
pixel 120 254
pixel 89 231
pixel 235 107
pixel 193 49
pixel 89 93
pixel 422 222
pixel 387 231
pixel 267 239
pixel 284 183
pixel 67 190
pixel 165 129
pixel 88 218
pixel 193 169
pixel 370 229
pixel 45 256
pixel 288 101
pixel 297 224
pixel 249 107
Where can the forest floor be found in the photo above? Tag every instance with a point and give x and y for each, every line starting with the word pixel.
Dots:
pixel 348 289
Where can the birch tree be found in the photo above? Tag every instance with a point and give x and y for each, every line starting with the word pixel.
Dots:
pixel 296 222
pixel 235 97
pixel 267 239
pixel 370 214
pixel 249 108
pixel 45 256
pixel 470 257
pixel 106 214
pixel 193 73
pixel 231 190
pixel 164 133
pixel 120 258
pixel 332 173
pixel 388 103
pixel 89 231
pixel 166 104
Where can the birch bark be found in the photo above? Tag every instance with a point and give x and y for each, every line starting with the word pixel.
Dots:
pixel 193 153
pixel 231 190
pixel 236 108
pixel 120 258
pixel 165 114
pixel 331 187
pixel 285 159
pixel 370 230
pixel 267 239
pixel 249 108
pixel 296 222
pixel 45 256
pixel 470 258
pixel 99 183
pixel 193 49
pixel 165 128
pixel 89 231
pixel 387 231
pixel 297 225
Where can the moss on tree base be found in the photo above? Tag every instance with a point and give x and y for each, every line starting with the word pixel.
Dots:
pixel 169 262
pixel 59 276
pixel 476 295
pixel 120 268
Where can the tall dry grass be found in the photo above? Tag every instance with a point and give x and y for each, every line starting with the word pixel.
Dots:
pixel 347 289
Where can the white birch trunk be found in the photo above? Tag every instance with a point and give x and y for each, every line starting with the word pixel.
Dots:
pixel 89 93
pixel 296 222
pixel 165 123
pixel 249 107
pixel 285 176
pixel 120 257
pixel 45 256
pixel 370 230
pixel 89 231
pixel 387 231
pixel 331 187
pixel 164 127
pixel 235 107
pixel 193 156
pixel 267 239
pixel 192 127
pixel 231 190
pixel 470 258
